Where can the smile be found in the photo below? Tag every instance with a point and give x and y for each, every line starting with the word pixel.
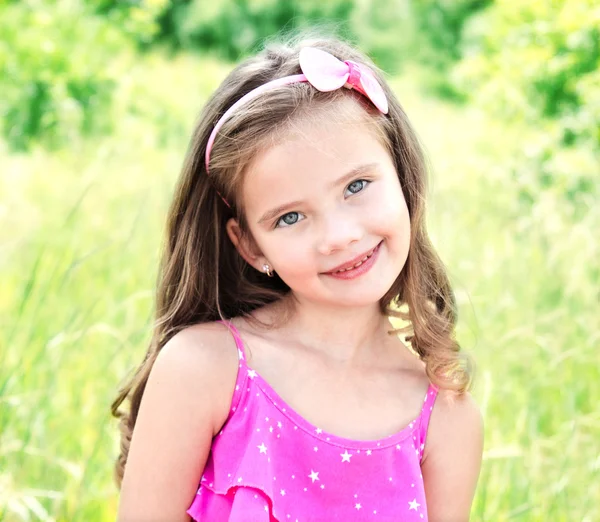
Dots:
pixel 357 266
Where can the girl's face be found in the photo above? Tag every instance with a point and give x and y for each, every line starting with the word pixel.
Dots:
pixel 326 196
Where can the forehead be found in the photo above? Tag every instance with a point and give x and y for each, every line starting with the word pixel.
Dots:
pixel 309 155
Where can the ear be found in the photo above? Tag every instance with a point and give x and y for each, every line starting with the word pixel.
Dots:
pixel 245 245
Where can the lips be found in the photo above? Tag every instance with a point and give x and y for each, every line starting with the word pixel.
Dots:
pixel 354 263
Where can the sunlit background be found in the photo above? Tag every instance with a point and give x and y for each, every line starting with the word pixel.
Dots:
pixel 97 101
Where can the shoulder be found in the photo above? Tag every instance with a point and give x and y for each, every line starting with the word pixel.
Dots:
pixel 185 402
pixel 452 456
pixel 455 412
pixel 456 420
pixel 198 345
pixel 200 359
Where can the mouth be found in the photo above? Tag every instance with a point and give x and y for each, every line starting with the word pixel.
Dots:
pixel 355 263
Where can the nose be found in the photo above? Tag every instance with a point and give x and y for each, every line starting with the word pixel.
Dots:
pixel 339 229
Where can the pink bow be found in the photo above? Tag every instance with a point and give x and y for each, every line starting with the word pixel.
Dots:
pixel 326 73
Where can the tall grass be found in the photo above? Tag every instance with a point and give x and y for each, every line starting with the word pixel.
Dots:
pixel 81 230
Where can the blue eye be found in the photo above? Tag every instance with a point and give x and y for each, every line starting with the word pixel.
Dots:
pixel 357 186
pixel 291 218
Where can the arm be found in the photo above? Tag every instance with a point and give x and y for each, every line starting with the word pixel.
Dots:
pixel 185 403
pixel 452 457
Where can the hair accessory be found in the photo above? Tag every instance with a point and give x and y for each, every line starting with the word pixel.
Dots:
pixel 325 73
pixel 267 270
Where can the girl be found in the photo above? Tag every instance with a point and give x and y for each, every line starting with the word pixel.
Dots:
pixel 275 387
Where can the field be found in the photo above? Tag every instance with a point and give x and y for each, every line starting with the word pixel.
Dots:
pixel 80 232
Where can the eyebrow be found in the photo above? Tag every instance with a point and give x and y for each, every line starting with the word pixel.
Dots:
pixel 356 171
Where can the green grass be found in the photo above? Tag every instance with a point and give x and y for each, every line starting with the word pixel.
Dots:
pixel 80 232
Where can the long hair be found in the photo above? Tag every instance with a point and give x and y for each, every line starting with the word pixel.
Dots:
pixel 202 278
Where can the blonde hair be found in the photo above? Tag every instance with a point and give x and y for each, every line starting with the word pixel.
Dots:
pixel 202 278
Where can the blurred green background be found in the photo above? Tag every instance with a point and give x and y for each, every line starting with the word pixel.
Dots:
pixel 97 101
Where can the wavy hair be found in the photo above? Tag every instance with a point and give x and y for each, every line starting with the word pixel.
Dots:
pixel 202 278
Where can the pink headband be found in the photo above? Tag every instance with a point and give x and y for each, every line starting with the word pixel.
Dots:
pixel 325 73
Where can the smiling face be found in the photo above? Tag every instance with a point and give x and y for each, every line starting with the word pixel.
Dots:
pixel 327 196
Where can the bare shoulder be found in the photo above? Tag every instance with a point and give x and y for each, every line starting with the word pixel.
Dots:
pixel 200 345
pixel 452 456
pixel 202 359
pixel 185 402
pixel 457 411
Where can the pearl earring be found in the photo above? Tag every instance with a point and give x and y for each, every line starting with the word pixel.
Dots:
pixel 267 270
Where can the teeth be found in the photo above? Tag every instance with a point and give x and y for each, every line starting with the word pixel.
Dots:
pixel 356 265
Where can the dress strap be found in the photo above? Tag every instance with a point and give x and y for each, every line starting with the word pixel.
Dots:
pixel 238 341
pixel 242 375
pixel 428 402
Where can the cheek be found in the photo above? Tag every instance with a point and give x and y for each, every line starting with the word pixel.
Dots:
pixel 289 254
pixel 391 214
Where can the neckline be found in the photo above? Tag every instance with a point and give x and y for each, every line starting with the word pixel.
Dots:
pixel 330 438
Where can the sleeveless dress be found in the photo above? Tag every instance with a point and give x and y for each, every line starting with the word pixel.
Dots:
pixel 269 464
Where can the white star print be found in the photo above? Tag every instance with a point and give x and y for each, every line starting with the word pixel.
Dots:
pixel 314 475
pixel 279 425
pixel 358 506
pixel 271 429
pixel 319 430
pixel 316 449
pixel 262 448
pixel 398 446
pixel 368 452
pixel 414 505
pixel 251 374
pixel 322 486
pixel 345 456
pixel 239 479
pixel 282 492
pixel 240 353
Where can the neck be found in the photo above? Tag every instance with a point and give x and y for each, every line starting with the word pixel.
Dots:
pixel 348 335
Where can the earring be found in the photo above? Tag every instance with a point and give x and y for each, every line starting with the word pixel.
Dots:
pixel 267 270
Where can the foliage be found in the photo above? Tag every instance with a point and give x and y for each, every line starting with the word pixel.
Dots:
pixel 232 28
pixel 139 19
pixel 59 67
pixel 536 60
pixel 539 63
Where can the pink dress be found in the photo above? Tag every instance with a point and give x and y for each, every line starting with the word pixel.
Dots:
pixel 270 464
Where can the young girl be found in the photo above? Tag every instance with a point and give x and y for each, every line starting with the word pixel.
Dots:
pixel 275 387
